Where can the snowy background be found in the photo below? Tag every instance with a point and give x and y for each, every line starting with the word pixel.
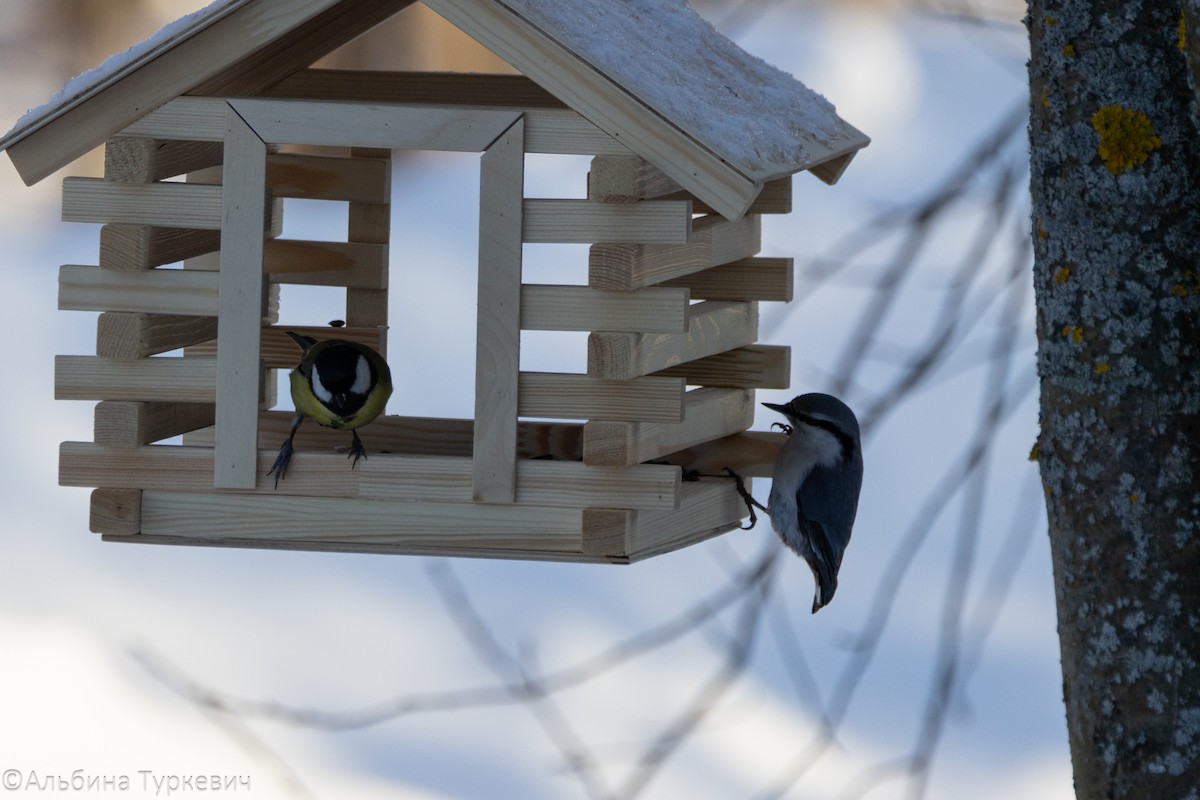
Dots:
pixel 80 620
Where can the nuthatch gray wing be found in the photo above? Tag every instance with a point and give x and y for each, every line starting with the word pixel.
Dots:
pixel 814 490
pixel 339 384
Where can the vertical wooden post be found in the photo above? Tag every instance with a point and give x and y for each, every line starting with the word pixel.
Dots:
pixel 241 298
pixel 370 223
pixel 498 330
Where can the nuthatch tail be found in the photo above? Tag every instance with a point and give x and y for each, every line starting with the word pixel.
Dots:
pixel 814 491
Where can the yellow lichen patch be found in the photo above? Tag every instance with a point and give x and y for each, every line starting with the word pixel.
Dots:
pixel 1134 499
pixel 1102 368
pixel 1045 97
pixel 1061 274
pixel 1068 51
pixel 1181 32
pixel 1126 138
pixel 1179 290
pixel 1073 333
pixel 1033 452
pixel 1041 233
pixel 1051 22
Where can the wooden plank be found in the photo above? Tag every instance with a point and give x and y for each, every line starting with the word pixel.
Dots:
pixel 371 224
pixel 278 351
pixel 602 101
pixel 142 247
pixel 374 125
pixel 165 291
pixel 714 241
pixel 752 453
pixel 498 322
pixel 354 180
pixel 241 298
pixel 116 512
pixel 564 396
pixel 578 308
pixel 625 179
pixel 171 205
pixel 769 279
pixel 708 413
pixel 126 424
pixel 127 336
pixel 424 88
pixel 188 380
pixel 555 131
pixel 562 441
pixel 549 483
pixel 714 327
pixel 757 366
pixel 132 160
pixel 383 476
pixel 442 527
pixel 347 264
pixel 587 221
pixel 708 508
pixel 239 48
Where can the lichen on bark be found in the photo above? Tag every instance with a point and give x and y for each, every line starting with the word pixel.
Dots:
pixel 1115 182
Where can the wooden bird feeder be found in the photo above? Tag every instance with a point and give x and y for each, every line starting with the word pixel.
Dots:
pixel 228 99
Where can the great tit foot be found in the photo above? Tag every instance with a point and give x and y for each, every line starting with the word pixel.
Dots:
pixel 783 426
pixel 279 468
pixel 356 449
pixel 747 498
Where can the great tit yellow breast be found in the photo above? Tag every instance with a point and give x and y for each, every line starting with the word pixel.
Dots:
pixel 341 384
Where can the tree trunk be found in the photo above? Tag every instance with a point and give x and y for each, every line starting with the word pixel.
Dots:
pixel 1115 161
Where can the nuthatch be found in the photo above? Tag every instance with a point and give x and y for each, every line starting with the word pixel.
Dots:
pixel 339 384
pixel 814 490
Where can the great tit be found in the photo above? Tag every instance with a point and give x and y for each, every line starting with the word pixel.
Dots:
pixel 338 384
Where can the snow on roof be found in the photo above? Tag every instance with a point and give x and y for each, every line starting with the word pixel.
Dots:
pixel 709 86
pixel 116 64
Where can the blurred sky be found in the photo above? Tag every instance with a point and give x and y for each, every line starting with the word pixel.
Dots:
pixel 340 631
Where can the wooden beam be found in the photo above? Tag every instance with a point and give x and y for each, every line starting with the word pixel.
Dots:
pixel 141 247
pixel 768 279
pixel 126 424
pixel 371 224
pixel 166 291
pixel 708 414
pixel 126 336
pixel 189 380
pixel 714 327
pixel 346 264
pixel 708 508
pixel 382 477
pixel 562 396
pixel 628 179
pixel 278 351
pixel 561 441
pixel 498 321
pixel 354 180
pixel 316 122
pixel 603 101
pixel 423 88
pixel 756 366
pixel 131 160
pixel 578 308
pixel 752 453
pixel 587 221
pixel 171 205
pixel 556 131
pixel 116 512
pixel 241 298
pixel 435 528
pixel 714 241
